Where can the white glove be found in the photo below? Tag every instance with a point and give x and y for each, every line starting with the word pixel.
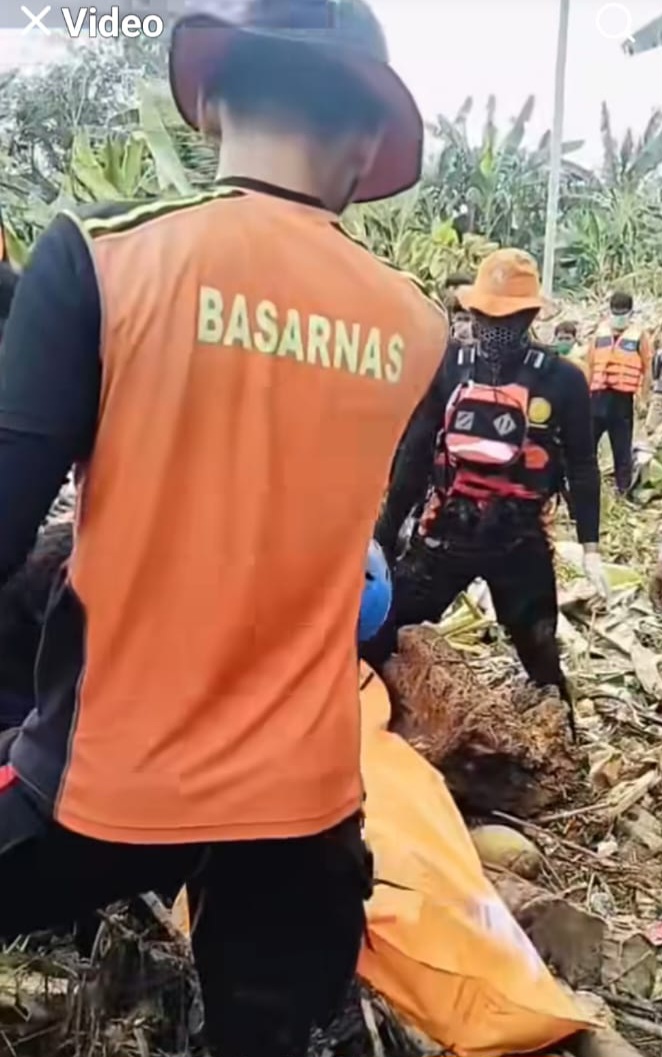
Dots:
pixel 595 572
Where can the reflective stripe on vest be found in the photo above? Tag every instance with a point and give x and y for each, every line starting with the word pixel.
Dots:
pixel 617 364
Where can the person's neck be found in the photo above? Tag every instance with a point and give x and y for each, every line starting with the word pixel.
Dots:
pixel 287 163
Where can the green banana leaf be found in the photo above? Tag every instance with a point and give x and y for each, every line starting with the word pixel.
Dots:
pixel 17 250
pixel 133 163
pixel 170 172
pixel 620 577
pixel 649 486
pixel 88 173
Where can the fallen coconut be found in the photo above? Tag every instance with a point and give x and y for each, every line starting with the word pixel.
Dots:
pixel 508 849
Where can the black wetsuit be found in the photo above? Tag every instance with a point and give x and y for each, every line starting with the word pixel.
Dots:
pixel 504 543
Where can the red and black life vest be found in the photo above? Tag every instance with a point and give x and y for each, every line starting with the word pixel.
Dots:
pixel 487 447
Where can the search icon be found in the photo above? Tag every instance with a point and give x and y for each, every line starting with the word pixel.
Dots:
pixel 614 21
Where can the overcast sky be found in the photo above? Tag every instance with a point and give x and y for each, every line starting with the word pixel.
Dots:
pixel 448 49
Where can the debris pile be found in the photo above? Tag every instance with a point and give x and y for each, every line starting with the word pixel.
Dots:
pixel 493 746
pixel 138 996
pixel 569 834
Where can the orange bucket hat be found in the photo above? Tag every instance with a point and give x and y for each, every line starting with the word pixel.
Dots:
pixel 508 281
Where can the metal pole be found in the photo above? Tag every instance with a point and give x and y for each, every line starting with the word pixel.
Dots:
pixel 556 147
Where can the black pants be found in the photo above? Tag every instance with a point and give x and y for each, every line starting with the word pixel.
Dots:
pixel 523 587
pixel 278 923
pixel 616 418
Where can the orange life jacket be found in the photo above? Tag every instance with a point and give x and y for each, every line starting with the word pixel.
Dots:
pixel 617 362
pixel 485 449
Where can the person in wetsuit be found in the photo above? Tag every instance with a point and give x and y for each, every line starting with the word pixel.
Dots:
pixel 485 449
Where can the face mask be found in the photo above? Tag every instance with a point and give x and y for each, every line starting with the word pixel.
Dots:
pixel 620 320
pixel 564 346
pixel 501 342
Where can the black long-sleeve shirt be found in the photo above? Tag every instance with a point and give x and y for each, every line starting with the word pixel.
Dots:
pixel 50 378
pixel 562 384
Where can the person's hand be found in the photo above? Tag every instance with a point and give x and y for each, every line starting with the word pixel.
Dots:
pixel 656 586
pixel 594 571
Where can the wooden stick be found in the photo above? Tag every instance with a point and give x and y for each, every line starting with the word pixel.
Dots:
pixel 369 1018
pixel 648 1027
pixel 605 861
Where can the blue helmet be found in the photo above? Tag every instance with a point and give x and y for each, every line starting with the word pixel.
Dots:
pixel 377 593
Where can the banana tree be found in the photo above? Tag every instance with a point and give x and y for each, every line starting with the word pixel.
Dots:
pixel 632 162
pixel 138 164
pixel 612 226
pixel 408 232
pixel 198 155
pixel 118 167
pixel 498 185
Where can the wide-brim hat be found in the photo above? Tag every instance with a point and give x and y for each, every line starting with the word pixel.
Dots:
pixel 507 282
pixel 345 29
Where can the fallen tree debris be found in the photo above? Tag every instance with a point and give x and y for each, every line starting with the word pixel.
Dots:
pixel 591 813
pixel 605 1040
pixel 568 939
pixel 586 950
pixel 493 750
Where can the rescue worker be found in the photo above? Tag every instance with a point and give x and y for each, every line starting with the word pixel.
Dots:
pixel 565 343
pixel 231 374
pixel 485 448
pixel 23 604
pixel 619 365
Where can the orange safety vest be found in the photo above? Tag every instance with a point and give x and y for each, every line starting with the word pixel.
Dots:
pixel 259 368
pixel 617 362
